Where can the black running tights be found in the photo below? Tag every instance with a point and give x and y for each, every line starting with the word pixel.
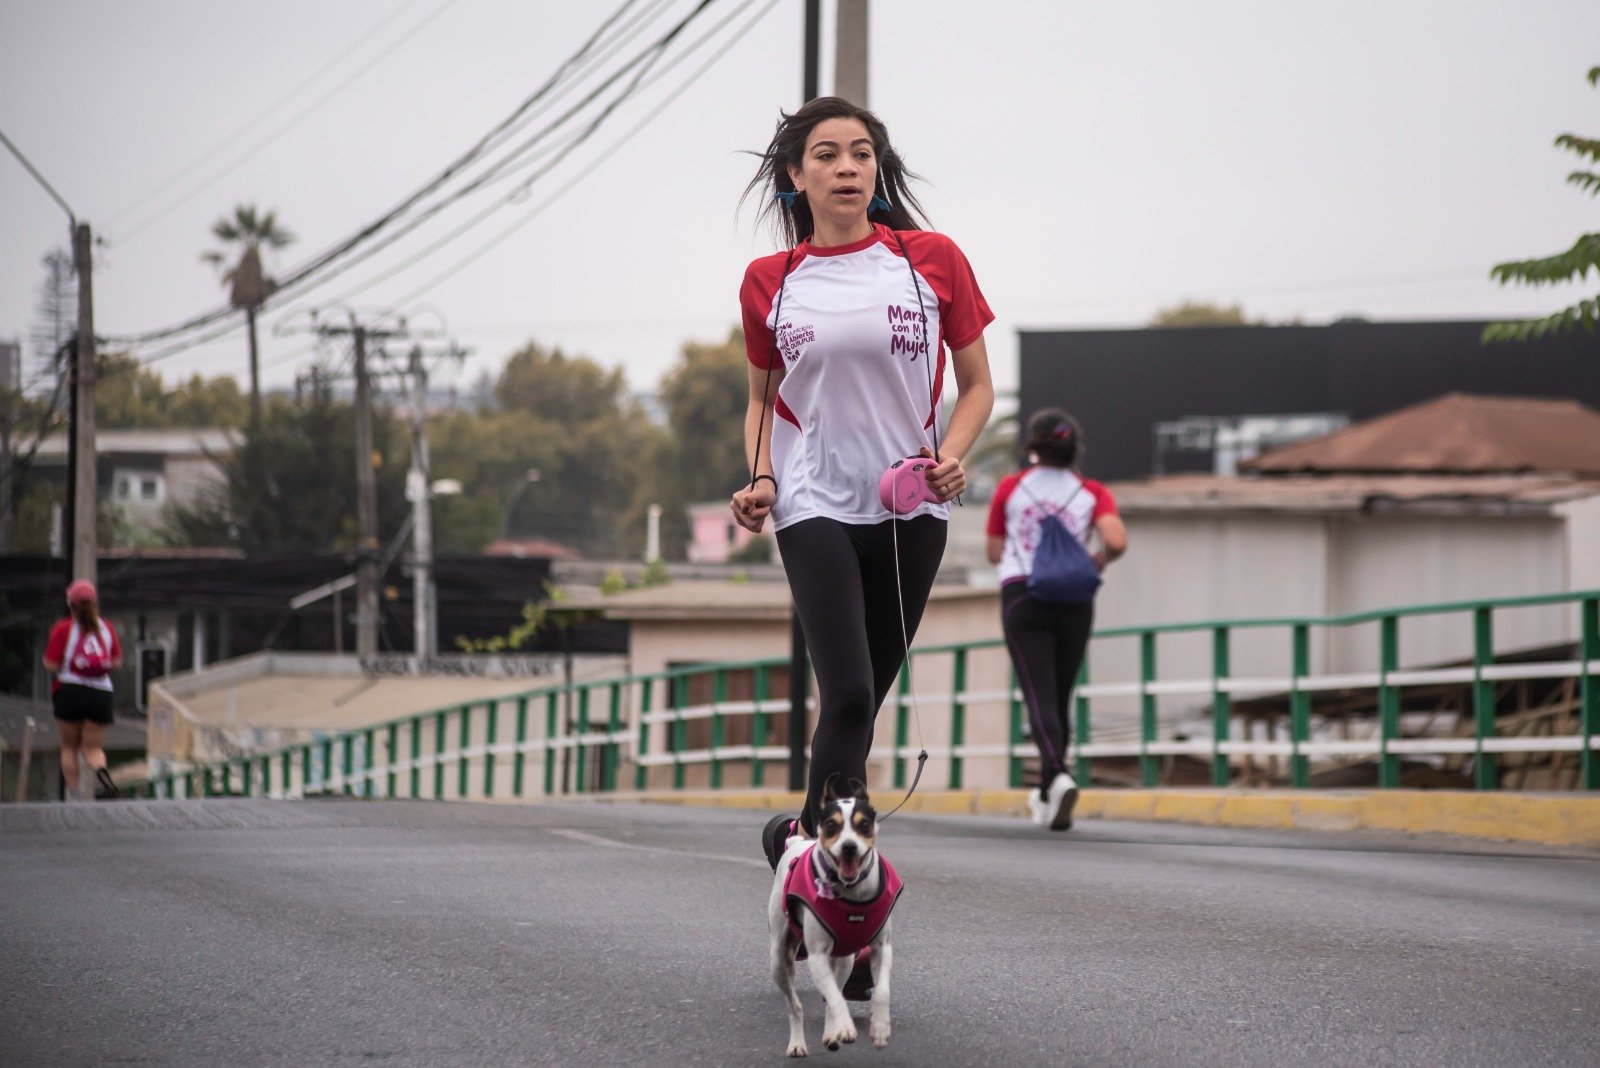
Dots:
pixel 1047 642
pixel 843 580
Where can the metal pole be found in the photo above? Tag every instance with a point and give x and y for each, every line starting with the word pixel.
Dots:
pixel 418 489
pixel 83 471
pixel 812 75
pixel 366 505
pixel 850 51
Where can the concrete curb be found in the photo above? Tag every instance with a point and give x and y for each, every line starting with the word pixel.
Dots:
pixel 1549 819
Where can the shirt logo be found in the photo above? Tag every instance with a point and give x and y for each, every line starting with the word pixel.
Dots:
pixel 906 333
pixel 792 338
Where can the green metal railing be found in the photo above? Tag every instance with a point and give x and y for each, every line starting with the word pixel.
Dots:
pixel 592 731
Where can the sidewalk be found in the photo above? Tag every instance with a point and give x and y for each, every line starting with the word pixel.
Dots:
pixel 1549 819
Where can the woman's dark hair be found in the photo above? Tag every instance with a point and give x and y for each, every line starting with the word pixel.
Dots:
pixel 1054 437
pixel 788 148
pixel 86 613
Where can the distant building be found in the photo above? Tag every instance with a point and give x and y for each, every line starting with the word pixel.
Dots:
pixel 713 535
pixel 1123 386
pixel 143 471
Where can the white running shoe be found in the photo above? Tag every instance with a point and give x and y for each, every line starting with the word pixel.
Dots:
pixel 1059 802
pixel 1036 809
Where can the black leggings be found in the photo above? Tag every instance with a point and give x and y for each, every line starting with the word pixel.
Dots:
pixel 843 580
pixel 1047 642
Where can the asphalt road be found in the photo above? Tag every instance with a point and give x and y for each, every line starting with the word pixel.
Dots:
pixel 328 932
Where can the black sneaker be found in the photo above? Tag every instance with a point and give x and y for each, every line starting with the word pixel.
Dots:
pixel 108 790
pixel 859 986
pixel 774 836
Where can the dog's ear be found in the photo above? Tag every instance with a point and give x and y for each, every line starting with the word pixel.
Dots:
pixel 858 790
pixel 829 794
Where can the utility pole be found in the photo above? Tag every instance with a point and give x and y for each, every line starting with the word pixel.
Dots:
pixel 83 549
pixel 418 490
pixel 850 51
pixel 366 504
pixel 799 656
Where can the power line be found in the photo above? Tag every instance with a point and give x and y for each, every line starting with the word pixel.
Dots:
pixel 294 121
pixel 561 153
pixel 48 188
pixel 340 248
pixel 616 146
pixel 251 124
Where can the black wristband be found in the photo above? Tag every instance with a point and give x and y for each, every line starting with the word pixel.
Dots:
pixel 769 478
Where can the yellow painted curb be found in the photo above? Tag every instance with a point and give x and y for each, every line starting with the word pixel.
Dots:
pixel 1550 819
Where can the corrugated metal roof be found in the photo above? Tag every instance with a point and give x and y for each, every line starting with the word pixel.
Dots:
pixel 1457 433
pixel 1325 494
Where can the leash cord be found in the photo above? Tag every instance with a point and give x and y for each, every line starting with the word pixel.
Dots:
pixel 894 528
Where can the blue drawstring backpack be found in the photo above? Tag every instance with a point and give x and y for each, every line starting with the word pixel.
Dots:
pixel 1063 571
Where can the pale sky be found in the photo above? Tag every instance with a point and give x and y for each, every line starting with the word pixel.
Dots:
pixel 1095 161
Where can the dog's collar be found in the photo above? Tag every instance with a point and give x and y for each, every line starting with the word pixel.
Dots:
pixel 826 869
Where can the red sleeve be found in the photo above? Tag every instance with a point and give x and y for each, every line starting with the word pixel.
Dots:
pixel 761 281
pixel 963 313
pixel 56 648
pixel 1104 503
pixel 996 527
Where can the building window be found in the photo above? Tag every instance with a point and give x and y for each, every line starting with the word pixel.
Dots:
pixel 149 489
pixel 122 490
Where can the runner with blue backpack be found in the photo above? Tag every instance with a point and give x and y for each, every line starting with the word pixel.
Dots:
pixel 1040 525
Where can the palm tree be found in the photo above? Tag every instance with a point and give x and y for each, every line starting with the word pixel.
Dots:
pixel 247 281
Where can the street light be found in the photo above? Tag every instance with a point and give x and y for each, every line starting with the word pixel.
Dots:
pixel 529 477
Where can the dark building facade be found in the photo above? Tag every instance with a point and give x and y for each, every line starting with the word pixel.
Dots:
pixel 1120 384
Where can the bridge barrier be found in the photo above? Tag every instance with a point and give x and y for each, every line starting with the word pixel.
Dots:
pixel 722 726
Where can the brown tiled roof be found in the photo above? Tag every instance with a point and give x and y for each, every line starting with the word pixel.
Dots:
pixel 1457 433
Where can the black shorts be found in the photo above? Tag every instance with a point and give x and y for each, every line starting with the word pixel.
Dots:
pixel 73 703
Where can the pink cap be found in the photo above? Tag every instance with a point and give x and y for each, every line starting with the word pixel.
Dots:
pixel 81 591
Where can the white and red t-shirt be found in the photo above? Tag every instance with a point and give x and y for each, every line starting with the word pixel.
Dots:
pixel 1023 499
pixel 70 643
pixel 855 395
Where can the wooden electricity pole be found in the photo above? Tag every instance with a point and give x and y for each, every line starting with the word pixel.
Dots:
pixel 366 504
pixel 83 549
pixel 850 52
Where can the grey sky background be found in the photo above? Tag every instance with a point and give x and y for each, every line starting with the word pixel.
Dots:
pixel 1095 161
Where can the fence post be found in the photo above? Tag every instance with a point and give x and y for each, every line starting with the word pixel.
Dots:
pixel 612 753
pixel 438 755
pixel 368 788
pixel 1485 772
pixel 491 730
pixel 758 727
pixel 552 705
pixel 1082 768
pixel 680 698
pixel 1221 706
pixel 902 722
pixel 288 773
pixel 1015 714
pixel 389 782
pixel 641 772
pixel 462 762
pixel 1388 700
pixel 522 736
pixel 1300 707
pixel 416 757
pixel 244 777
pixel 1148 771
pixel 1589 764
pixel 958 715
pixel 719 691
pixel 581 754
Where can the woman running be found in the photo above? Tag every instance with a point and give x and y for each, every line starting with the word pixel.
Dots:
pixel 82 651
pixel 1047 640
pixel 846 332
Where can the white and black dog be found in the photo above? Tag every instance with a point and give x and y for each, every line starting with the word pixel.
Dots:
pixel 830 900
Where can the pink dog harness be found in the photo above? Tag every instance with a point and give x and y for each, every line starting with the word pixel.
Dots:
pixel 853 924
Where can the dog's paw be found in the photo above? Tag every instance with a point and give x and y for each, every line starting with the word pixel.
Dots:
pixel 842 1037
pixel 880 1035
pixel 796 1049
